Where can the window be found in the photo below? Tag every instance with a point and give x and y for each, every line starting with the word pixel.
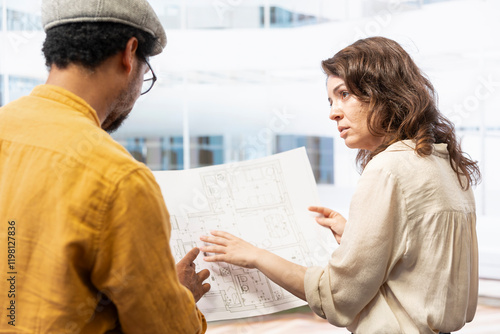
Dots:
pixel 167 153
pixel 21 86
pixel 21 21
pixel 282 18
pixel 207 151
pixel 172 153
pixel 319 151
pixel 137 147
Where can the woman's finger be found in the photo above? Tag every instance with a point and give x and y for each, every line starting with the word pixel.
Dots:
pixel 223 234
pixel 214 249
pixel 214 240
pixel 325 222
pixel 321 210
pixel 214 258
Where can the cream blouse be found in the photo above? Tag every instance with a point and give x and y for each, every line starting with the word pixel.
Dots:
pixel 408 259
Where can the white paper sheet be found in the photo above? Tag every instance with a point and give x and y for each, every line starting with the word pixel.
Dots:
pixel 263 201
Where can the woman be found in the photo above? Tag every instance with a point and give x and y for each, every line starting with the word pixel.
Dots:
pixel 407 260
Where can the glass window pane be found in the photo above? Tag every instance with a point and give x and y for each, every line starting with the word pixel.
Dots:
pixel 21 86
pixel 319 151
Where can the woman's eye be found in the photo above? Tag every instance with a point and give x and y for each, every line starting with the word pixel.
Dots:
pixel 344 94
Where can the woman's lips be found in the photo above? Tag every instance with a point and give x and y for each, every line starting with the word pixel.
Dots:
pixel 343 131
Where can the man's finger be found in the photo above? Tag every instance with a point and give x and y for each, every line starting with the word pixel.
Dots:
pixel 204 274
pixel 191 255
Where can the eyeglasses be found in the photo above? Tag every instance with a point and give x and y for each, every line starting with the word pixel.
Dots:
pixel 149 81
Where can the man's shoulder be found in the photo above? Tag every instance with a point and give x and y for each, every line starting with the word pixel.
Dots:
pixel 67 134
pixel 97 150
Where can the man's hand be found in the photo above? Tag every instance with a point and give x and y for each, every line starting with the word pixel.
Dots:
pixel 331 219
pixel 186 271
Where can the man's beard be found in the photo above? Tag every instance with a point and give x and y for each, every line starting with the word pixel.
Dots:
pixel 122 106
pixel 111 126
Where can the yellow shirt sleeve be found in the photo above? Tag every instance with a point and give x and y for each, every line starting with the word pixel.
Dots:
pixel 134 266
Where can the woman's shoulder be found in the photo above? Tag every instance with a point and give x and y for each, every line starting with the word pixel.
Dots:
pixel 401 159
pixel 399 154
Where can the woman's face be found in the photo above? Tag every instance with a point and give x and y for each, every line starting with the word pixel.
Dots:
pixel 350 116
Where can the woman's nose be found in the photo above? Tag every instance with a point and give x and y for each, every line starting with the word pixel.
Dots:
pixel 335 113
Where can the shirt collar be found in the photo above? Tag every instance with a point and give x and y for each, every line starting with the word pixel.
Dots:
pixel 440 150
pixel 62 95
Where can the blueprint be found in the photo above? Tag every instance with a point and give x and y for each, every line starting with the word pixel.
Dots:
pixel 262 201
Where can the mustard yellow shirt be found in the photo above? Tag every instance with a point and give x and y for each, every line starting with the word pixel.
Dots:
pixel 88 250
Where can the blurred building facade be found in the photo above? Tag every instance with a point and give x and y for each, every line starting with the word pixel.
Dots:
pixel 242 79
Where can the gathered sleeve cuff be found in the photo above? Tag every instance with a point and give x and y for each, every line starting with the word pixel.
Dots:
pixel 313 293
pixel 319 296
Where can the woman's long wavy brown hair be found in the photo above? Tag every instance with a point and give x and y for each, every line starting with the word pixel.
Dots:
pixel 400 100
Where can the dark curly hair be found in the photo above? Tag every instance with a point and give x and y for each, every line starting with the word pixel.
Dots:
pixel 400 100
pixel 90 44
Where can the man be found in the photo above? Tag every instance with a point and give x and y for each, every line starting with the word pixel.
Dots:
pixel 87 227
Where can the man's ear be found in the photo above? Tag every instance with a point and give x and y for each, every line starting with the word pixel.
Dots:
pixel 129 54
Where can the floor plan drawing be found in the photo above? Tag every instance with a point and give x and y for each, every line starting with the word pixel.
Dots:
pixel 263 201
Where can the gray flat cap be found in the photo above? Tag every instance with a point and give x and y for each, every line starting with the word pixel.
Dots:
pixel 135 13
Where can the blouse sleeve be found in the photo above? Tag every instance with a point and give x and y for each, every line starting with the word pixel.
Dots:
pixel 373 241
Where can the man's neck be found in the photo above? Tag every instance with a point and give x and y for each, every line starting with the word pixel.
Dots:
pixel 89 85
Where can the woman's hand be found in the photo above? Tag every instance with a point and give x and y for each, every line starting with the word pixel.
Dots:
pixel 230 249
pixel 331 219
pixel 233 250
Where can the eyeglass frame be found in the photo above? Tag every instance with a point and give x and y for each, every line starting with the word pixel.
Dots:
pixel 154 78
